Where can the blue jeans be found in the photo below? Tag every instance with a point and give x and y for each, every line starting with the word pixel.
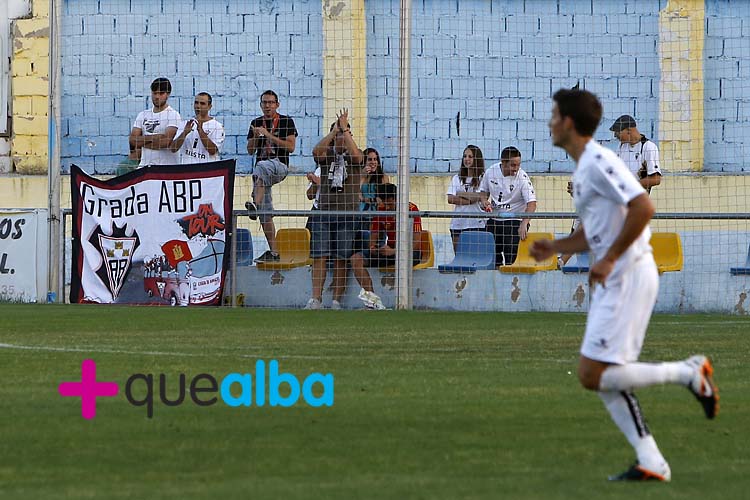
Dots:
pixel 332 235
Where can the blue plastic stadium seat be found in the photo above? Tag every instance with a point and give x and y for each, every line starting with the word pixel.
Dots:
pixel 579 263
pixel 244 247
pixel 475 250
pixel 742 271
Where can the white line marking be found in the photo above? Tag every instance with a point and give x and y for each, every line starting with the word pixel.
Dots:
pixel 147 353
pixel 410 355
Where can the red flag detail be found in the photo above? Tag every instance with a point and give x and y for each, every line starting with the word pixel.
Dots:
pixel 176 251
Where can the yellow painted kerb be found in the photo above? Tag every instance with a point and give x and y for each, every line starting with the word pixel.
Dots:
pixel 344 64
pixel 681 39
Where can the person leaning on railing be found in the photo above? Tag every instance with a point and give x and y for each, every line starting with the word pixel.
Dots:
pixel 465 194
pixel 506 188
pixel 382 246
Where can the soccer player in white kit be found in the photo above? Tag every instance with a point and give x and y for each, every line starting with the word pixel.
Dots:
pixel 615 211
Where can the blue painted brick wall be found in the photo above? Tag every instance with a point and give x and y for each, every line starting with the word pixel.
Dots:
pixel 82 7
pixel 495 61
pixel 130 24
pixel 112 50
pixel 500 88
pixel 116 126
pixel 71 106
pixel 114 7
pixel 727 93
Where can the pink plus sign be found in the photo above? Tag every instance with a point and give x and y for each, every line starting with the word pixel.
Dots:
pixel 88 389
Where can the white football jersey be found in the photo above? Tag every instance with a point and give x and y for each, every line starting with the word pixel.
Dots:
pixel 602 188
pixel 157 123
pixel 193 150
pixel 642 154
pixel 507 194
pixel 457 187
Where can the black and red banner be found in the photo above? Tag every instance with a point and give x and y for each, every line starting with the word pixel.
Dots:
pixel 158 235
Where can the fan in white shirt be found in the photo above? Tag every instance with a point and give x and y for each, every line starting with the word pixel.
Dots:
pixel 640 154
pixel 465 194
pixel 199 140
pixel 154 129
pixel 615 212
pixel 506 188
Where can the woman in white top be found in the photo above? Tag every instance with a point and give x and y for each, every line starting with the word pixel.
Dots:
pixel 464 193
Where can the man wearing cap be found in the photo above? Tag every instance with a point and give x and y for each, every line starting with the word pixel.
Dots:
pixel 638 152
pixel 155 128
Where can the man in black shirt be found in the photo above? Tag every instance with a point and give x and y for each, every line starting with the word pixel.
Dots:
pixel 272 138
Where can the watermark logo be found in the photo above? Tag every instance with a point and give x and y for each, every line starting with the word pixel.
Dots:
pixel 88 389
pixel 270 387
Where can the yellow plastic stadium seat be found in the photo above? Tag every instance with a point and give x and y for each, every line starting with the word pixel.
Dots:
pixel 427 248
pixel 525 263
pixel 667 251
pixel 294 250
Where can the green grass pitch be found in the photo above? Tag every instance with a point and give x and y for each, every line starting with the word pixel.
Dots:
pixel 427 405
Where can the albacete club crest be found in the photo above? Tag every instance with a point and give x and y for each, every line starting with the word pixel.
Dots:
pixel 117 252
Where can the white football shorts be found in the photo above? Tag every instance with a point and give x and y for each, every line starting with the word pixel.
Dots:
pixel 620 312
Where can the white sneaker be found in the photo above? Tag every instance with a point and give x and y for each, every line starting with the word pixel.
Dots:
pixel 371 300
pixel 313 304
pixel 336 305
pixel 365 297
pixel 377 304
pixel 702 384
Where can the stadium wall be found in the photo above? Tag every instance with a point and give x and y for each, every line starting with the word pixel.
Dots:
pixel 29 88
pixel 495 62
pixel 719 193
pixel 704 285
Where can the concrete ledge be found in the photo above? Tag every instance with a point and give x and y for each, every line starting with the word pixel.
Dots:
pixel 704 285
pixel 492 291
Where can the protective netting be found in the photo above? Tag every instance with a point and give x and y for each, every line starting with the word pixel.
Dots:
pixel 672 80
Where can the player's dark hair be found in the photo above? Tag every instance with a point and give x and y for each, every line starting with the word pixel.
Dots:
pixel 270 92
pixel 582 107
pixel 161 84
pixel 387 191
pixel 510 152
pixel 210 99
